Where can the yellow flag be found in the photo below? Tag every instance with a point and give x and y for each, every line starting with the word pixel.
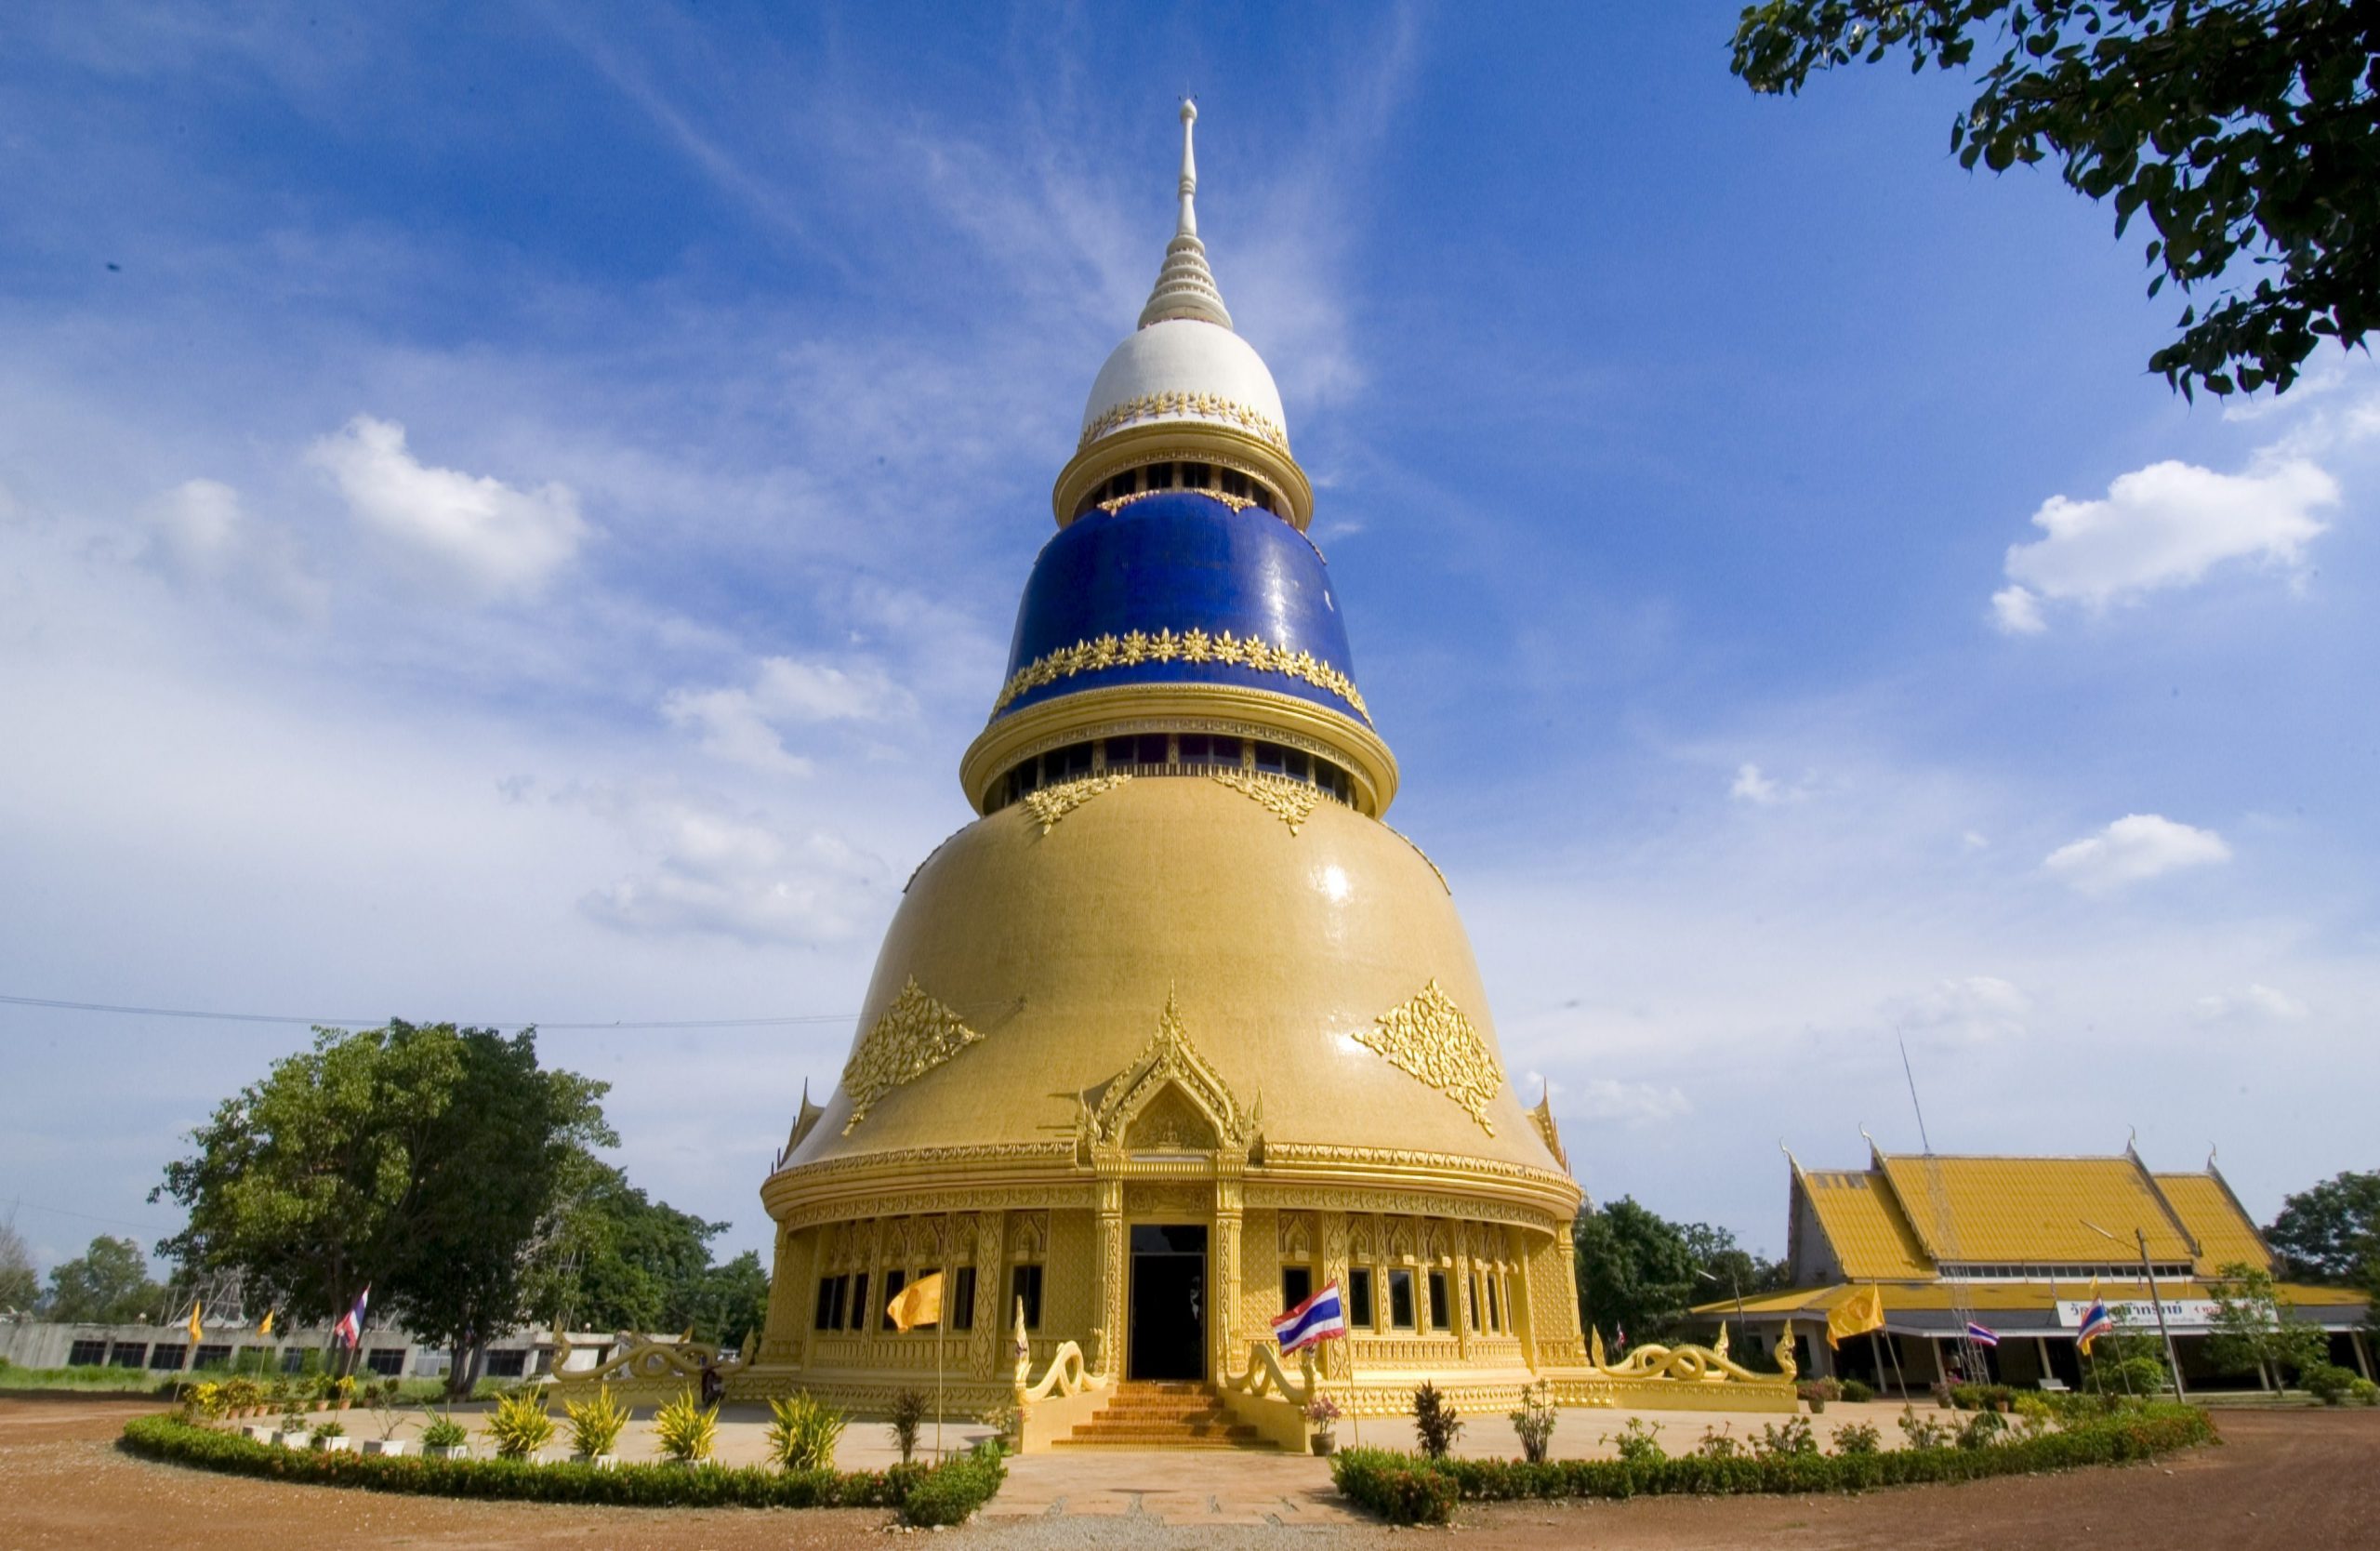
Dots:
pixel 918 1304
pixel 266 1328
pixel 1864 1310
pixel 196 1329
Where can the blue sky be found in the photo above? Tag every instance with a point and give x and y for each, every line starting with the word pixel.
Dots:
pixel 513 512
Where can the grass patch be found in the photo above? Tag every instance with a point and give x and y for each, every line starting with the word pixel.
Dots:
pixel 938 1494
pixel 1412 1489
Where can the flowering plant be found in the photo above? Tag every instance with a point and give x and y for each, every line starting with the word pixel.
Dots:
pixel 1322 1411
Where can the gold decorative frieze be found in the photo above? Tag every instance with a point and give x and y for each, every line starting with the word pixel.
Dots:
pixel 1207 406
pixel 1168 1061
pixel 1116 504
pixel 1290 802
pixel 1135 647
pixel 1051 803
pixel 915 1035
pixel 1429 1038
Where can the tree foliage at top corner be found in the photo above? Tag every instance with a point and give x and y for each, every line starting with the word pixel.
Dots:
pixel 2248 132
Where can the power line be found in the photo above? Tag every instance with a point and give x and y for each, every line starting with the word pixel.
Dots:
pixel 16 1203
pixel 55 1005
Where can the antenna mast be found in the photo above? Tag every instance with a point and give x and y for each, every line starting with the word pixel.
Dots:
pixel 1972 1362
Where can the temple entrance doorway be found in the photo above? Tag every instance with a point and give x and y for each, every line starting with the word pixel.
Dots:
pixel 1169 1296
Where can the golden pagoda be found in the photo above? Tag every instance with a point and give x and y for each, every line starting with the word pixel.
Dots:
pixel 1178 1029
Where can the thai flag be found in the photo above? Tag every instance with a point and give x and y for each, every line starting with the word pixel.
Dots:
pixel 350 1327
pixel 1982 1336
pixel 2097 1323
pixel 1320 1318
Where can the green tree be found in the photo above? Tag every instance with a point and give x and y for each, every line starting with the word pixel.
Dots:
pixel 619 1260
pixel 2252 1331
pixel 493 1169
pixel 311 1184
pixel 2246 131
pixel 20 1282
pixel 1635 1271
pixel 732 1300
pixel 108 1284
pixel 2331 1233
pixel 1723 1268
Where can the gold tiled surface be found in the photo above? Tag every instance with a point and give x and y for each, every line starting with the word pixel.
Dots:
pixel 2224 1234
pixel 1871 1236
pixel 2028 1210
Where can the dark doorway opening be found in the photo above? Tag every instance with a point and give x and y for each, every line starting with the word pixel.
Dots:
pixel 1168 1301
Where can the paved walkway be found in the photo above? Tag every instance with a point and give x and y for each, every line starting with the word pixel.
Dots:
pixel 1177 1487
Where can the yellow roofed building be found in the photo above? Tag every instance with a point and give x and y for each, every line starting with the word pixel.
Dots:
pixel 2016 1245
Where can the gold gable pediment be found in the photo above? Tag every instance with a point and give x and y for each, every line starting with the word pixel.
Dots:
pixel 1168 1098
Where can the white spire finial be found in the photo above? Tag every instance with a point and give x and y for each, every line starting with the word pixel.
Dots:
pixel 1188 225
pixel 1186 288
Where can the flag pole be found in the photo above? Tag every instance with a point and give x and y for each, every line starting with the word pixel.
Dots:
pixel 937 1390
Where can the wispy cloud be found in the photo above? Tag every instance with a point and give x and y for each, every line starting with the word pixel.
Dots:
pixel 2132 850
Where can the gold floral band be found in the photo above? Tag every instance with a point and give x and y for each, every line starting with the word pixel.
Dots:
pixel 1191 645
pixel 1213 407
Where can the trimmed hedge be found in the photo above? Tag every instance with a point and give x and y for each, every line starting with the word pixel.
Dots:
pixel 947 1492
pixel 1385 1482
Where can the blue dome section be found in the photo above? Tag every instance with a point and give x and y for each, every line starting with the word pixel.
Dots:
pixel 1178 588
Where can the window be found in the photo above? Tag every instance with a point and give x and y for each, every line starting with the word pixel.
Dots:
pixel 859 1301
pixel 387 1362
pixel 1194 747
pixel 1441 1307
pixel 88 1354
pixel 167 1355
pixel 1359 1297
pixel 506 1365
pixel 1296 1285
pixel 1024 1284
pixel 257 1360
pixel 1400 1299
pixel 1494 1305
pixel 212 1355
pixel 1226 749
pixel 827 1314
pixel 1472 1318
pixel 894 1281
pixel 292 1359
pixel 129 1354
pixel 961 1311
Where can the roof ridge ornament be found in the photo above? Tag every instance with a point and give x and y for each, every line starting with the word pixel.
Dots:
pixel 1185 289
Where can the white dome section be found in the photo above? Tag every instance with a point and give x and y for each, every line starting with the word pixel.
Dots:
pixel 1182 369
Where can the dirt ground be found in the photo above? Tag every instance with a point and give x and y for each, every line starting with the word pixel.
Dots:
pixel 2284 1478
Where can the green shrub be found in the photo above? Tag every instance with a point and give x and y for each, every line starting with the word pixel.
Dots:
pixel 1818 1392
pixel 1858 1438
pixel 805 1433
pixel 1857 1392
pixel 1436 1424
pixel 1534 1421
pixel 1720 1445
pixel 686 1430
pixel 443 1432
pixel 1981 1397
pixel 1639 1442
pixel 1396 1486
pixel 596 1425
pixel 909 1416
pixel 520 1425
pixel 320 1437
pixel 1923 1432
pixel 1790 1438
pixel 2364 1392
pixel 2327 1382
pixel 1982 1430
pixel 913 1489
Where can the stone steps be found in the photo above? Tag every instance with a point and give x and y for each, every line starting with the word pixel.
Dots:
pixel 1163 1416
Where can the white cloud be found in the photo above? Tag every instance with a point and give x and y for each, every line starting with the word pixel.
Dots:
pixel 1978 1009
pixel 1604 1098
pixel 469 530
pixel 2165 526
pixel 1751 787
pixel 2134 849
pixel 2257 1004
pixel 718 871
pixel 742 725
pixel 204 534
pixel 2017 611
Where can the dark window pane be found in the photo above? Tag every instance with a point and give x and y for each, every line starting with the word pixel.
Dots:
pixel 1024 1283
pixel 168 1353
pixel 1121 752
pixel 1152 748
pixel 506 1365
pixel 1226 749
pixel 1359 1298
pixel 1494 1305
pixel 959 1307
pixel 1400 1299
pixel 1297 1286
pixel 215 1356
pixel 894 1281
pixel 128 1355
pixel 1198 476
pixel 1472 1318
pixel 1441 1309
pixel 1194 747
pixel 822 1312
pixel 859 1302
pixel 88 1354
pixel 1270 756
pixel 387 1362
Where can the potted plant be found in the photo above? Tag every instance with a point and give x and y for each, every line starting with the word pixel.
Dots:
pixel 446 1440
pixel 330 1439
pixel 342 1391
pixel 386 1415
pixel 686 1430
pixel 292 1431
pixel 521 1425
pixel 1322 1414
pixel 595 1428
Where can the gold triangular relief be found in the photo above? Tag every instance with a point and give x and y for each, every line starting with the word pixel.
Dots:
pixel 915 1035
pixel 1430 1038
pixel 1290 802
pixel 1052 804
